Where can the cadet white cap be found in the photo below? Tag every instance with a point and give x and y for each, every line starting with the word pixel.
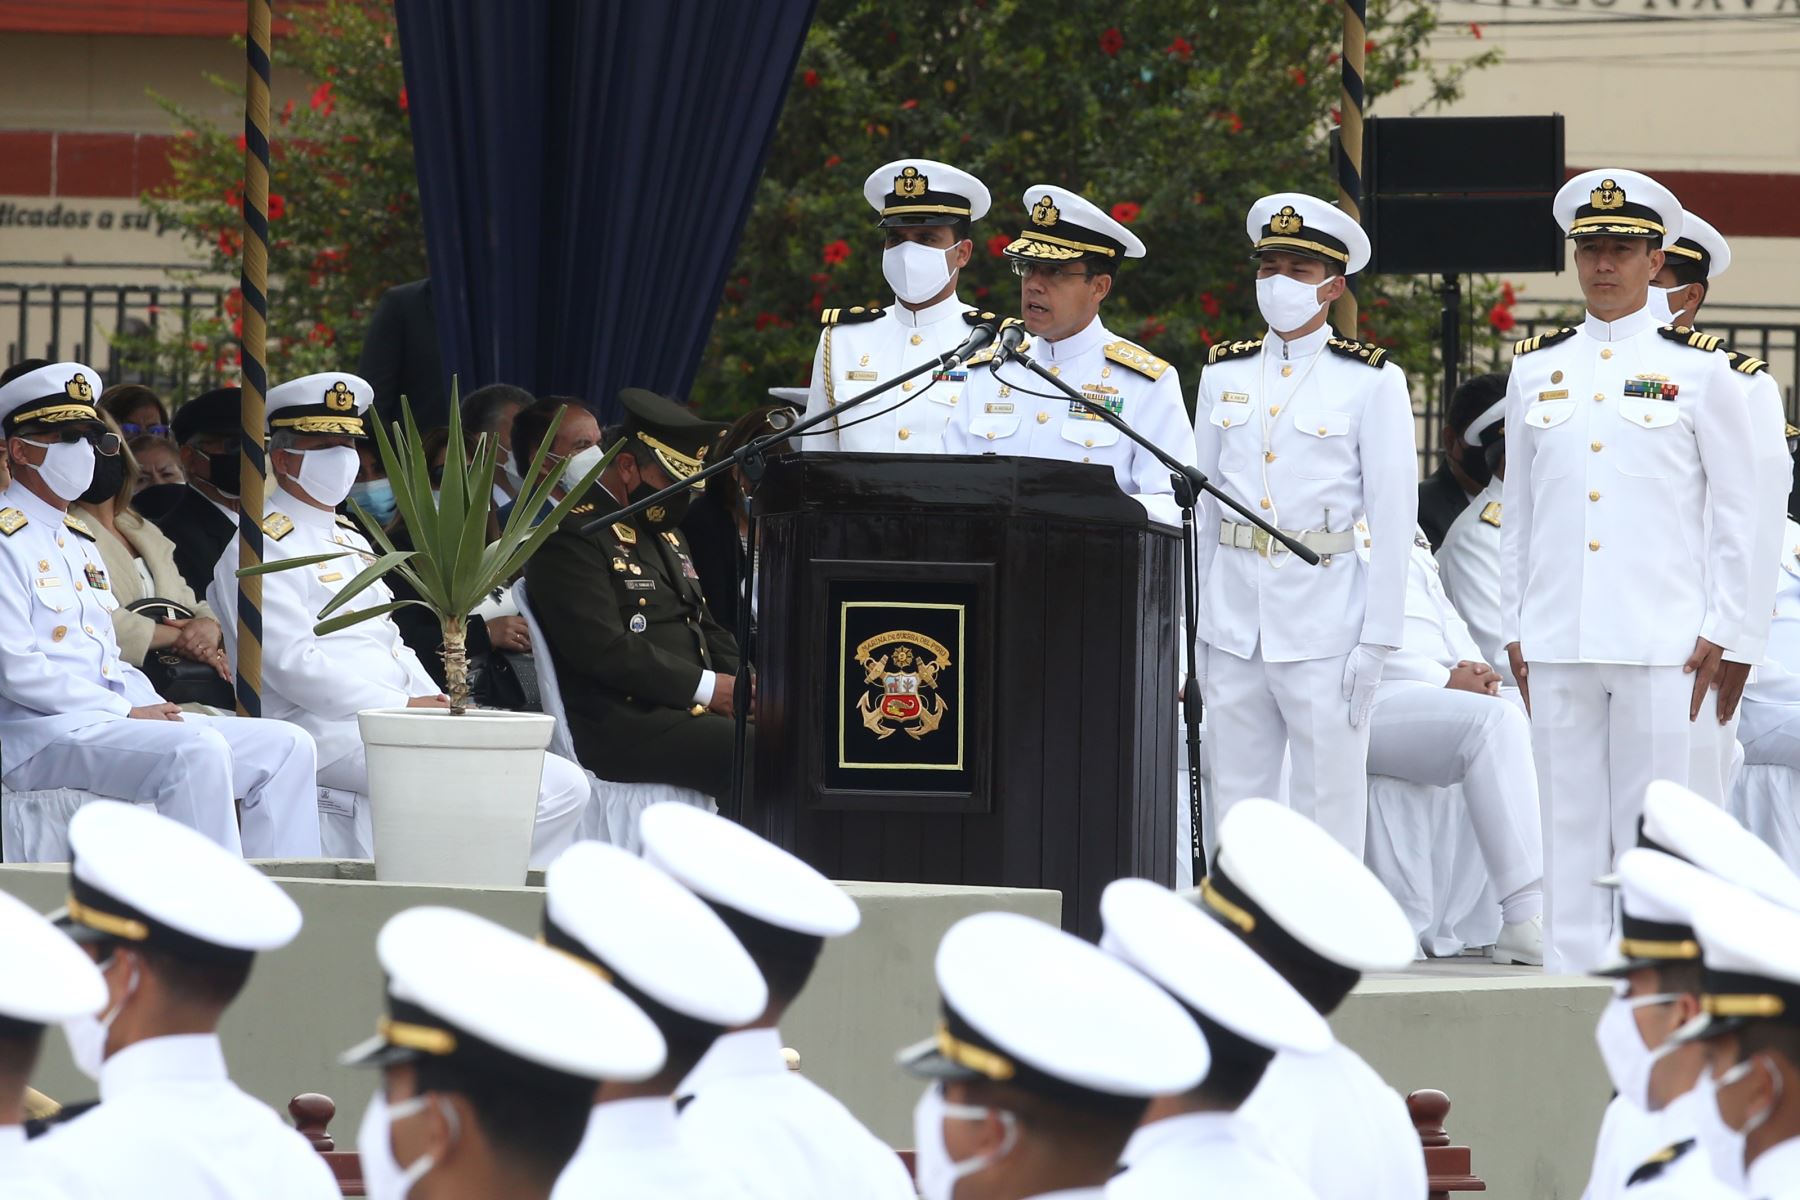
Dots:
pixel 1203 966
pixel 1703 244
pixel 57 394
pixel 1683 823
pixel 1494 414
pixel 1032 1007
pixel 1296 223
pixel 1301 900
pixel 673 957
pixel 1658 896
pixel 47 978
pixel 1060 226
pixel 1751 952
pixel 463 989
pixel 333 402
pixel 793 397
pixel 727 865
pixel 1615 203
pixel 922 191
pixel 142 879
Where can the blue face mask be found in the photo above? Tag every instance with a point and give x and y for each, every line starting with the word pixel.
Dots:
pixel 376 497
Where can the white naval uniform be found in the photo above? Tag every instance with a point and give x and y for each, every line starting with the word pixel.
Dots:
pixel 1642 1156
pixel 1009 410
pixel 1424 732
pixel 852 356
pixel 633 1148
pixel 1469 568
pixel 321 683
pixel 1609 576
pixel 65 696
pixel 172 1126
pixel 1339 1126
pixel 1209 1153
pixel 1769 725
pixel 783 1135
pixel 18 1180
pixel 1311 438
pixel 1775 1175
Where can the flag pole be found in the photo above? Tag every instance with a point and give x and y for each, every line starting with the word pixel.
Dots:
pixel 253 285
pixel 1350 140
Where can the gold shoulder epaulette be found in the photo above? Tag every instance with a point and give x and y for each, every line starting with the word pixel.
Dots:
pixel 1490 513
pixel 1222 351
pixel 1692 337
pixel 1744 363
pixel 976 316
pixel 346 522
pixel 1539 341
pixel 277 525
pixel 850 316
pixel 74 522
pixel 1128 354
pixel 12 520
pixel 1363 352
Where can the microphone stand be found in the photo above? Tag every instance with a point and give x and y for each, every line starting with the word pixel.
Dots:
pixel 751 459
pixel 1188 482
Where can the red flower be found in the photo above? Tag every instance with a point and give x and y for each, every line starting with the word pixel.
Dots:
pixel 234 301
pixel 1209 304
pixel 1199 197
pixel 1181 49
pixel 1206 336
pixel 287 112
pixel 1298 75
pixel 1507 296
pixel 817 302
pixel 1475 28
pixel 277 207
pixel 1236 122
pixel 321 334
pixel 1369 46
pixel 1331 59
pixel 228 243
pixel 197 347
pixel 981 293
pixel 833 161
pixel 404 107
pixel 1337 118
pixel 1111 42
pixel 1501 318
pixel 836 252
pixel 242 144
pixel 764 320
pixel 1126 211
pixel 997 245
pixel 810 79
pixel 1151 329
pixel 908 104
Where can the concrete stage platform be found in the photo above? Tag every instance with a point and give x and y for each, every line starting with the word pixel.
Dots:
pixel 1514 1050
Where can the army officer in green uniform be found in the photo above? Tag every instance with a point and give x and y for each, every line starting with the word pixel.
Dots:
pixel 646 673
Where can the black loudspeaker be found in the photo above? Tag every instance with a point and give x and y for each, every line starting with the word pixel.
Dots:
pixel 1457 195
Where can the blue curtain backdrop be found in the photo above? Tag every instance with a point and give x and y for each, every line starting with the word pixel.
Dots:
pixel 585 170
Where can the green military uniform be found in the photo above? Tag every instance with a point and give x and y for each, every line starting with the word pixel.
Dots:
pixel 628 627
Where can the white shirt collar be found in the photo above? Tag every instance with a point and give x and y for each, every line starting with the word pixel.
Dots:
pixel 638 1123
pixel 1775 1169
pixel 1300 347
pixel 1073 345
pixel 300 511
pixel 1185 1129
pixel 1631 325
pixel 747 1053
pixel 931 314
pixel 26 501
pixel 12 1140
pixel 183 1058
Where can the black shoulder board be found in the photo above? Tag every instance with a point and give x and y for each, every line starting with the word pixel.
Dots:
pixel 850 316
pixel 1659 1162
pixel 1222 351
pixel 1692 337
pixel 1363 352
pixel 976 316
pixel 1539 341
pixel 1744 363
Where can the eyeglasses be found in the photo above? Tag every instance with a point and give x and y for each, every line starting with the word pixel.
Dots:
pixel 107 443
pixel 1049 274
pixel 131 430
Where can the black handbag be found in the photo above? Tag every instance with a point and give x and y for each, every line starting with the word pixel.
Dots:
pixel 176 679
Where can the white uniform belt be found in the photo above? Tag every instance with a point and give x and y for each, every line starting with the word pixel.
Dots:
pixel 1320 541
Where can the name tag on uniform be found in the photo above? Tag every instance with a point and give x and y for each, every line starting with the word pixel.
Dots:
pixel 861 376
pixel 49 581
pixel 640 585
pixel 1558 394
pixel 1235 398
pixel 331 577
pixel 996 408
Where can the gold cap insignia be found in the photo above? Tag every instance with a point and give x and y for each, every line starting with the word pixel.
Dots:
pixel 1287 222
pixel 1607 196
pixel 1044 212
pixel 339 397
pixel 910 184
pixel 78 388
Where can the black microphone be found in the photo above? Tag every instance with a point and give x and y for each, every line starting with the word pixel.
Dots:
pixel 979 339
pixel 1011 334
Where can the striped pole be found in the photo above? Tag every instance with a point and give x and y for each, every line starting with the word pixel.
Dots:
pixel 253 283
pixel 1350 139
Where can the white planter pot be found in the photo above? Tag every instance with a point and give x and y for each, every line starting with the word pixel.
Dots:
pixel 453 799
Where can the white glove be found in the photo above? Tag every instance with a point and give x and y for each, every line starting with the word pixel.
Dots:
pixel 1362 672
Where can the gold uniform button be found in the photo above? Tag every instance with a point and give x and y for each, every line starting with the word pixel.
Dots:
pixel 905 433
pixel 990 436
pixel 1593 495
pixel 1274 410
pixel 1595 446
pixel 43 564
pixel 1268 456
pixel 59 633
pixel 1286 371
pixel 1042 417
pixel 1646 418
pixel 1593 545
pixel 643 603
pixel 1545 418
pixel 1265 502
pixel 1085 458
pixel 59 539
pixel 1599 396
pixel 1607 353
pixel 907 386
pixel 953 399
pixel 1225 424
pixel 78 585
pixel 87 628
pixel 1321 431
pixel 1089 443
pixel 916 339
pixel 1105 372
pixel 1056 370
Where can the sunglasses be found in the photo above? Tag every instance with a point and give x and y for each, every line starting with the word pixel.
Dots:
pixel 107 443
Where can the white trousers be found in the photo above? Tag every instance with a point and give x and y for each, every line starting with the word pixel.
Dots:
pixel 563 795
pixel 1602 733
pixel 1771 733
pixel 1255 710
pixel 1444 736
pixel 192 770
pixel 1713 750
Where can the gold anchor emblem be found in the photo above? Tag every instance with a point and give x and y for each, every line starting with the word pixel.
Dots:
pixel 910 184
pixel 1044 212
pixel 78 388
pixel 339 398
pixel 1608 196
pixel 1287 222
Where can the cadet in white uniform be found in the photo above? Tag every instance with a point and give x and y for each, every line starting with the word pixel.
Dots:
pixel 1619 427
pixel 72 712
pixel 780 1134
pixel 926 209
pixel 1312 431
pixel 1699 256
pixel 1770 723
pixel 1439 719
pixel 675 959
pixel 319 682
pixel 1035 1081
pixel 1247 1013
pixel 1469 559
pixel 490 1051
pixel 1317 915
pixel 1067 258
pixel 175 924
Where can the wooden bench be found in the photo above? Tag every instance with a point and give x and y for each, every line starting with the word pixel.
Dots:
pixel 1448 1167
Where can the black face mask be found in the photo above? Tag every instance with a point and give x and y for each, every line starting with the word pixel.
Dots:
pixel 664 515
pixel 1473 460
pixel 109 476
pixel 222 471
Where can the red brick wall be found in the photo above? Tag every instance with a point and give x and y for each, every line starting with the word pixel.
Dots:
pixel 39 163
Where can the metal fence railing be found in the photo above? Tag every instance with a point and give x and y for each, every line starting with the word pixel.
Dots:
pixel 110 327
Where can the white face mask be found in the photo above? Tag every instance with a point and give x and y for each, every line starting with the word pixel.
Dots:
pixel 915 271
pixel 577 465
pixel 1628 1061
pixel 383 1176
pixel 87 1034
pixel 509 470
pixel 1662 303
pixel 934 1169
pixel 67 469
pixel 326 474
pixel 1287 303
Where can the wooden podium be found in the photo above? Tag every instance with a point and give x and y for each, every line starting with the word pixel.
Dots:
pixel 967 673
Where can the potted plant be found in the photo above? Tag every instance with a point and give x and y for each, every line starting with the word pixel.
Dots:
pixel 454 795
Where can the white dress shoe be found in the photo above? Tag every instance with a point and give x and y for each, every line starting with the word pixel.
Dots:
pixel 1521 943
